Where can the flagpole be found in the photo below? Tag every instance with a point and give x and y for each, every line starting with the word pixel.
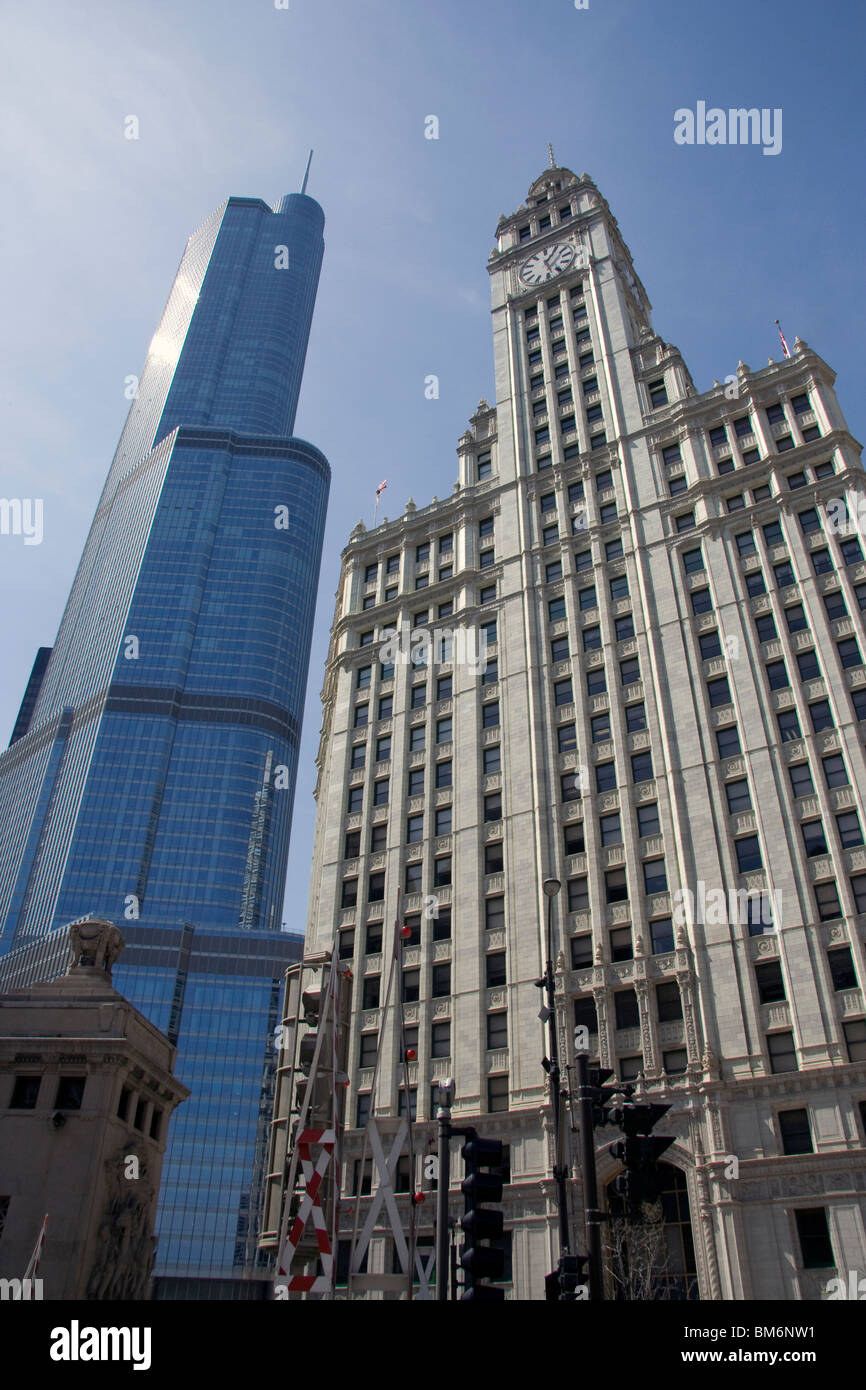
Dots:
pixel 786 350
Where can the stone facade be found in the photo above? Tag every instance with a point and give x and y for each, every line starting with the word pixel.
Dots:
pixel 670 722
pixel 87 1093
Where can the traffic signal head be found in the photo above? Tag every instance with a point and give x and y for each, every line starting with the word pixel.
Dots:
pixel 482 1222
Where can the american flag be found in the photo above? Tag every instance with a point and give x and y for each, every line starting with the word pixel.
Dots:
pixel 786 350
pixel 381 488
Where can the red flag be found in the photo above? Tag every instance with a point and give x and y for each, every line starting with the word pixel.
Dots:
pixel 381 488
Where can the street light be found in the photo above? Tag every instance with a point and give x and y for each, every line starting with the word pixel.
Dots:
pixel 551 887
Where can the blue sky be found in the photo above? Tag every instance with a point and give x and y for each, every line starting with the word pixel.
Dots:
pixel 230 94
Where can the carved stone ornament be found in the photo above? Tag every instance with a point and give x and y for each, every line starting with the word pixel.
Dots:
pixel 95 945
pixel 125 1244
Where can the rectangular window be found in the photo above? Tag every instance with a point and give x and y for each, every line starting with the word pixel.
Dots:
pixel 376 888
pixel 813 1233
pixel 497 1031
pixel 648 820
pixel 668 1002
pixel 572 836
pixel 827 901
pixel 626 1012
pixel 442 871
pixel 494 914
pixel 495 969
pixel 748 854
pixel 493 858
pixel 616 886
pixel 605 777
pixel 842 971
pixel 771 986
pixel 782 1052
pixel 641 767
pixel 611 829
pixel 662 934
pixel 370 996
pixel 581 951
pixel 25 1091
pixel 578 894
pixel 621 947
pixel 855 1039
pixel 497 1096
pixel 490 759
pixel 440 981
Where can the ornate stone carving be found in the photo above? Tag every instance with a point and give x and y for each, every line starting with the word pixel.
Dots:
pixel 95 945
pixel 125 1242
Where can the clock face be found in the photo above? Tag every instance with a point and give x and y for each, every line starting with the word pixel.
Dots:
pixel 544 265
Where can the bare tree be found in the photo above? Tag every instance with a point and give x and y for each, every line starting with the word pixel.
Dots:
pixel 638 1256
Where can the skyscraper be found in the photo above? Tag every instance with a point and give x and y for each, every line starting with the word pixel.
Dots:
pixel 630 660
pixel 153 781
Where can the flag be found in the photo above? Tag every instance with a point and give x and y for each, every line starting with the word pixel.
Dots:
pixel 33 1264
pixel 786 350
pixel 381 488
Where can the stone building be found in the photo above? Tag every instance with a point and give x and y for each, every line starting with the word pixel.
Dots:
pixel 630 657
pixel 86 1093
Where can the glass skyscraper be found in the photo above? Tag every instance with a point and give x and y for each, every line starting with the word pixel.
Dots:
pixel 152 774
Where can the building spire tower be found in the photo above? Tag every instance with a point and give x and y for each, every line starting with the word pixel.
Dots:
pixel 667 716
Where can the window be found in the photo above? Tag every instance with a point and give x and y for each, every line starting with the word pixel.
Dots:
pixel 626 1009
pixel 495 969
pixel 851 552
pixel 743 426
pixel 771 986
pixel 782 1052
pixel 668 1002
pixel 701 601
pixel 493 807
pixel 415 830
pixel 581 951
pixel 801 779
pixel 777 676
pixel 444 772
pixel 605 776
pixel 677 485
pixel 641 767
pixel 366 638
pixel 835 605
pixel 655 876
pixel 569 787
pixel 728 741
pixel 552 572
pixel 766 628
pixel 444 729
pixel 412 1105
pixel 25 1091
pixel 563 693
pixel 349 896
pixel 370 996
pixel 755 585
pixel 596 681
pixel 794 1131
pixel 621 947
pixel 440 981
pixel 413 922
pixel 748 854
pixel 855 1039
pixel 417 737
pixel 735 502
pixel 555 608
pixel 611 829
pixel 807 665
pixel 376 887
pixel 347 944
pixel 835 773
pixel 592 639
pixel 566 738
pixel 362 1114
pixel 418 697
pixel 380 792
pixel 386 706
pixel 368 1049
pixel 442 925
pixel 719 691
pixel 616 886
pixel 662 935
pixel 849 652
pixel 582 560
pixel 648 820
pixel 497 1031
pixel 624 628
pixel 816 1248
pixel 827 901
pixel 490 759
pixel 573 838
pixel 414 876
pixel 493 858
pixel 600 727
pixel 442 871
pixel 710 645
pixel 675 1061
pixel 585 1014
pixel 821 715
pixel 795 617
pixel 362 713
pixel 629 671
pixel 693 560
pixel 657 393
pixel 821 561
pixel 578 894
pixel 440 1040
pixel 489 715
pixel 635 717
pixel 842 971
pixel 383 748
pixel 587 599
pixel 497 1100
pixel 494 914
pixel 789 725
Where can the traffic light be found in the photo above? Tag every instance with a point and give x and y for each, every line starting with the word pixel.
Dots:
pixel 639 1153
pixel 568 1282
pixel 481 1222
pixel 601 1095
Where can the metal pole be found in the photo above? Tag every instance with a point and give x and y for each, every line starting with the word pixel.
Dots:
pixel 559 1168
pixel 590 1182
pixel 443 1181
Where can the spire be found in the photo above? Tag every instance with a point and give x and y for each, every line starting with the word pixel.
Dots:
pixel 550 155
pixel 307 174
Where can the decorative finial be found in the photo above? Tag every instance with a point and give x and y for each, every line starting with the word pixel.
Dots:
pixel 552 160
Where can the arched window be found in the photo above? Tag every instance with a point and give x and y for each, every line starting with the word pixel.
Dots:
pixel 655 1258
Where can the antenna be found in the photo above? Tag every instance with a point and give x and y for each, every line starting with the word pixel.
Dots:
pixel 307 174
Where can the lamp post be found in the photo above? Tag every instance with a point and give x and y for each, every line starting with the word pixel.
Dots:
pixel 551 887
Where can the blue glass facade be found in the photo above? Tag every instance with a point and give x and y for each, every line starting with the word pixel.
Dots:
pixel 154 782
